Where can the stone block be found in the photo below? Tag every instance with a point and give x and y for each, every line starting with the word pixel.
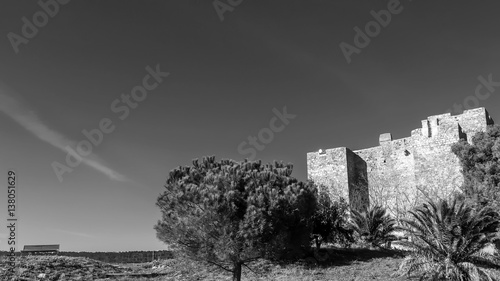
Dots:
pixel 385 138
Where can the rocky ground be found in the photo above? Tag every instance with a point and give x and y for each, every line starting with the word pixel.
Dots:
pixel 74 268
pixel 340 264
pixel 335 264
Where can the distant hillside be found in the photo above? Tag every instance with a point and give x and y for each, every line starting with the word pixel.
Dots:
pixel 118 257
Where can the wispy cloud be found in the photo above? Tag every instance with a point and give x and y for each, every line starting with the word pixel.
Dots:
pixel 30 121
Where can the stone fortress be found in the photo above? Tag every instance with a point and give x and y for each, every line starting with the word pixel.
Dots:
pixel 399 174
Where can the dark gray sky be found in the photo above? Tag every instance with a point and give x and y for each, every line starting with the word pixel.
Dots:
pixel 227 79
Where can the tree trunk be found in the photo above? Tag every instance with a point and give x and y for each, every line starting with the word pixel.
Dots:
pixel 237 271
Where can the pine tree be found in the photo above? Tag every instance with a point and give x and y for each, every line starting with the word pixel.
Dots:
pixel 228 213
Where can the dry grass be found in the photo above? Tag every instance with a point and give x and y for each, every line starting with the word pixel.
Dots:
pixel 342 265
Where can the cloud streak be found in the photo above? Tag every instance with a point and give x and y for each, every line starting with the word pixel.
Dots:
pixel 32 123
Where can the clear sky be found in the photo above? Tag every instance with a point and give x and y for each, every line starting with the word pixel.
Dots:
pixel 226 81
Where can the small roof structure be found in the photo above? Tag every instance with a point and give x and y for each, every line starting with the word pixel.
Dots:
pixel 41 249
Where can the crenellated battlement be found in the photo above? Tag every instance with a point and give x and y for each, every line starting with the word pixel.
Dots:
pixel 446 125
pixel 400 173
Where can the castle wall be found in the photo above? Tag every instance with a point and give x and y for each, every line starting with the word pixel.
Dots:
pixel 399 174
pixel 343 173
pixel 391 174
pixel 474 121
pixel 330 170
pixel 357 181
pixel 437 171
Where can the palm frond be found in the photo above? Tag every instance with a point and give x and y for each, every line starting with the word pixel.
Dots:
pixel 448 238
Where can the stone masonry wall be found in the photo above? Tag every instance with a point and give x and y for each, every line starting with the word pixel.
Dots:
pixel 357 181
pixel 329 169
pixel 390 169
pixel 399 174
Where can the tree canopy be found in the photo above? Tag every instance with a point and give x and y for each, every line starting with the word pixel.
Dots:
pixel 229 213
pixel 330 221
pixel 481 166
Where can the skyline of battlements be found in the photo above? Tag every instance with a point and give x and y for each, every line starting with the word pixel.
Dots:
pixel 399 173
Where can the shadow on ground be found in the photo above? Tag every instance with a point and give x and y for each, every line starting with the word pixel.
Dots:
pixel 341 257
pixel 333 256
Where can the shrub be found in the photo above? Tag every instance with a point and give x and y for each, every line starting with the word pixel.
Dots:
pixel 330 221
pixel 481 167
pixel 447 239
pixel 374 227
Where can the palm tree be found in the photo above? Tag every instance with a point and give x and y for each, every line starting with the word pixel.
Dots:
pixel 447 242
pixel 374 226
